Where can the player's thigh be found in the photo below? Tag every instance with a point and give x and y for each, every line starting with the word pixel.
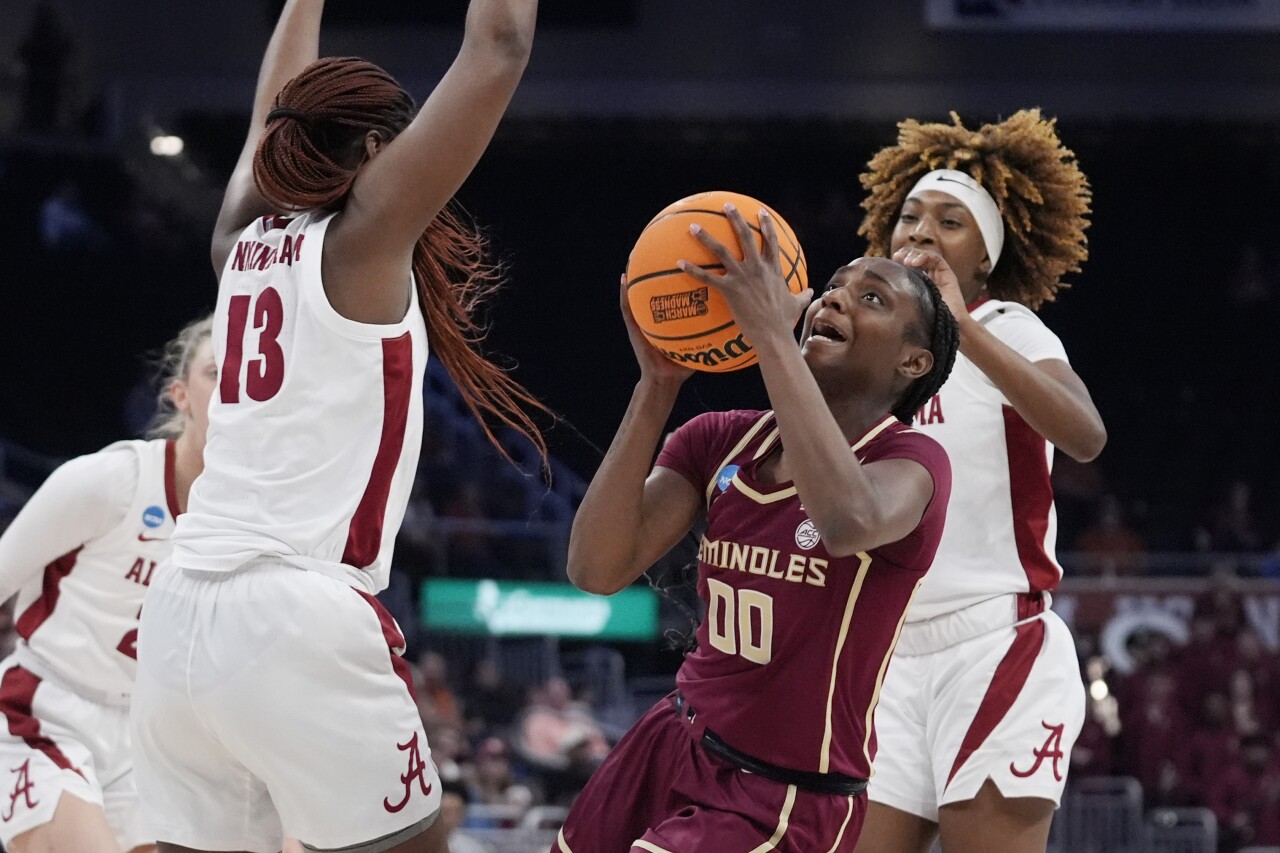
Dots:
pixel 165 847
pixel 890 830
pixel 991 821
pixel 434 840
pixel 77 825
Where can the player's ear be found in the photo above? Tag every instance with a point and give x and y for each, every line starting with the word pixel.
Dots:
pixel 178 393
pixel 917 361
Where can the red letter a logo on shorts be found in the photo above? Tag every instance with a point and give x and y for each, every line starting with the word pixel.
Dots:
pixel 1052 749
pixel 21 788
pixel 417 770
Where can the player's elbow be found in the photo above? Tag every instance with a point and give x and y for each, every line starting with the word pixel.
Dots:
pixel 847 536
pixel 1088 445
pixel 592 578
pixel 507 46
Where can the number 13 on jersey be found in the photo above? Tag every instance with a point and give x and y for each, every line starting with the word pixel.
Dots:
pixel 264 373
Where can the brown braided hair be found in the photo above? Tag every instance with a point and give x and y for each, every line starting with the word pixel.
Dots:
pixel 308 158
pixel 1043 196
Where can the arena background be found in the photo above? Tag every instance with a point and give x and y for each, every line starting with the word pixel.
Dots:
pixel 1173 109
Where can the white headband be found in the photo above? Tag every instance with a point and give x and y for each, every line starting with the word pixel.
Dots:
pixel 976 200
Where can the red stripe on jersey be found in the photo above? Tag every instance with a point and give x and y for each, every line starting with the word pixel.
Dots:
pixel 170 480
pixel 977 303
pixel 17 691
pixel 364 537
pixel 395 639
pixel 1031 496
pixel 1006 683
pixel 42 608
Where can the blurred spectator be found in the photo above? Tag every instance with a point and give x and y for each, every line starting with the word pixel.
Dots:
pixel 469 551
pixel 1109 546
pixel 65 224
pixel 1263 669
pixel 554 726
pixel 1172 789
pixel 450 749
pixel 454 799
pixel 1077 487
pixel 45 55
pixel 1154 729
pixel 1246 799
pixel 1247 715
pixel 562 739
pixel 1214 745
pixel 490 702
pixel 436 699
pixel 1232 525
pixel 493 780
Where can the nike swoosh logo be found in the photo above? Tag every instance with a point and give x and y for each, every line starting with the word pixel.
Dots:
pixel 142 538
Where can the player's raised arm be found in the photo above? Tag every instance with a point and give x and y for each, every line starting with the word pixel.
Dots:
pixel 633 513
pixel 294 45
pixel 408 180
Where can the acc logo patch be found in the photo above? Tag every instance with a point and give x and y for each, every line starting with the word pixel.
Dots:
pixel 807 534
pixel 725 477
pixel 153 516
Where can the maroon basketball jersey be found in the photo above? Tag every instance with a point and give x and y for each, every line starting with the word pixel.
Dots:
pixel 795 642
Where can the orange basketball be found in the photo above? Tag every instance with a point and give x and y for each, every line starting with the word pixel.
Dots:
pixel 684 318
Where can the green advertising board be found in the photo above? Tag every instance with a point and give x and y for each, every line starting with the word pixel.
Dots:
pixel 525 608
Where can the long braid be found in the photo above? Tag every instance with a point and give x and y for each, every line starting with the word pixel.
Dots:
pixel 308 158
pixel 943 341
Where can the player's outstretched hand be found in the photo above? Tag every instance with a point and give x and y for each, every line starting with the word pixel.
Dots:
pixel 754 286
pixel 654 366
pixel 933 265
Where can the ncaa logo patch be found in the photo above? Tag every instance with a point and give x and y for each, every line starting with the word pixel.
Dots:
pixel 153 516
pixel 725 477
pixel 807 534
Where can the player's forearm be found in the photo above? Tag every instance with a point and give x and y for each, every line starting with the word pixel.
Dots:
pixel 838 495
pixel 1048 395
pixel 604 543
pixel 294 45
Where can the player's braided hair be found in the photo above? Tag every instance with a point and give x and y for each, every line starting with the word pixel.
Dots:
pixel 173 363
pixel 942 339
pixel 308 157
pixel 1042 195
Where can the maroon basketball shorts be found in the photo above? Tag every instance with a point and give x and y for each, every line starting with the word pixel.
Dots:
pixel 660 791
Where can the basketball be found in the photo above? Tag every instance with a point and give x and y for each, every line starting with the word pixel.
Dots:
pixel 688 321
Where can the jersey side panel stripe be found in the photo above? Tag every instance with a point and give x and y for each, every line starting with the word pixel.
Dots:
pixel 364 538
pixel 42 608
pixel 17 692
pixel 1031 498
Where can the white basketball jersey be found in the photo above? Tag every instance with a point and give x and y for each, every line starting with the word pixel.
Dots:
pixel 1001 526
pixel 316 426
pixel 78 618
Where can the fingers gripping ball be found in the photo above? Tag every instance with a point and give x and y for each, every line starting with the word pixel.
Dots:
pixel 684 318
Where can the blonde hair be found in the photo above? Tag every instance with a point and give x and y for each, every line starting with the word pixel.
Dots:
pixel 1043 196
pixel 175 363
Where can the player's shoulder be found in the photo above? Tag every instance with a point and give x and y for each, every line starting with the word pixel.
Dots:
pixel 900 440
pixel 996 312
pixel 728 424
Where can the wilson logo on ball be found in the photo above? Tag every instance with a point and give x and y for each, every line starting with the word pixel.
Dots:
pixel 679 306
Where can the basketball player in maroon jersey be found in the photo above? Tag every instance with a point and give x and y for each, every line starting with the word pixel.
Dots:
pixel 810 557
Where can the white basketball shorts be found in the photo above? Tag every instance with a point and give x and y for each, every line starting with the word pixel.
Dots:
pixel 57 742
pixel 273 700
pixel 964 702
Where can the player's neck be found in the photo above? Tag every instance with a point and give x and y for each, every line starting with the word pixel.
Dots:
pixel 856 417
pixel 188 462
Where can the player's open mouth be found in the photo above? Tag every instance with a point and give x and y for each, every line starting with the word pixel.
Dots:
pixel 826 333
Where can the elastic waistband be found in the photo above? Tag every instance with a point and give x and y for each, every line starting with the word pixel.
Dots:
pixel 950 629
pixel 27 659
pixel 275 562
pixel 818 783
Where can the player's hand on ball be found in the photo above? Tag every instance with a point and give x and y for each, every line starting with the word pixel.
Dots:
pixel 933 265
pixel 754 286
pixel 653 364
